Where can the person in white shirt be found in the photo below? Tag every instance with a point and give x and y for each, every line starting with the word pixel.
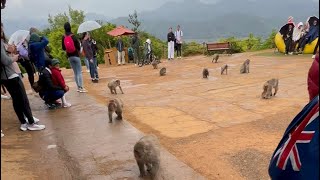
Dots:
pixel 178 35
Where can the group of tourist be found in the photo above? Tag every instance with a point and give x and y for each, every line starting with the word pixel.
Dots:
pixel 296 37
pixel 174 42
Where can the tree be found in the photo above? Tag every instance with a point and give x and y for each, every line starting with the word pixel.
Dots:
pixel 75 17
pixel 133 19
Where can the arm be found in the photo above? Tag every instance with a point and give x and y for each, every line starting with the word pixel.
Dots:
pixel 5 59
pixel 40 45
pixel 76 43
pixel 22 51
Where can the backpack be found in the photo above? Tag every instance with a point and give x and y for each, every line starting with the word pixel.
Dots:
pixel 69 44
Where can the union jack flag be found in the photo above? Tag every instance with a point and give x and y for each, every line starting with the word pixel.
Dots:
pixel 297 155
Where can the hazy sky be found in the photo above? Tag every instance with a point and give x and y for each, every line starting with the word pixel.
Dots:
pixel 110 8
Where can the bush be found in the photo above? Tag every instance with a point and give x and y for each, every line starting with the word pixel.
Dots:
pixel 192 48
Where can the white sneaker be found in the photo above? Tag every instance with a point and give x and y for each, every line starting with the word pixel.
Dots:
pixel 2 134
pixel 5 97
pixel 66 105
pixel 36 127
pixel 24 127
pixel 98 68
pixel 88 70
pixel 36 120
pixel 82 90
pixel 313 56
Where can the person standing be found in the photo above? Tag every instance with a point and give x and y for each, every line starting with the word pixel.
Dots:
pixel 71 45
pixel 171 39
pixel 135 44
pixel 120 49
pixel 178 36
pixel 37 46
pixel 87 47
pixel 25 61
pixel 14 85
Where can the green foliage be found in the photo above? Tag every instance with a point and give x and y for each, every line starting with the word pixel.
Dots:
pixel 159 47
pixel 133 19
pixel 192 48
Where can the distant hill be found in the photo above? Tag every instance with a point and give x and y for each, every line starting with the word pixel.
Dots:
pixel 205 21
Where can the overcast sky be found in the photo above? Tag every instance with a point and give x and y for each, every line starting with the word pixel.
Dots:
pixel 110 8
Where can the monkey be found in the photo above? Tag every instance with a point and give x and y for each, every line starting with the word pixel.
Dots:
pixel 155 63
pixel 163 71
pixel 245 67
pixel 147 153
pixel 112 86
pixel 267 88
pixel 115 105
pixel 205 73
pixel 224 68
pixel 215 58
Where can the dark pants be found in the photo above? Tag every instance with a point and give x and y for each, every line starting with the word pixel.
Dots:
pixel 51 96
pixel 288 43
pixel 315 48
pixel 93 69
pixel 20 100
pixel 303 43
pixel 136 55
pixel 178 49
pixel 28 66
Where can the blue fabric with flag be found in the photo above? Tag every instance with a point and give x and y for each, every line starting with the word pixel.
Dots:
pixel 297 155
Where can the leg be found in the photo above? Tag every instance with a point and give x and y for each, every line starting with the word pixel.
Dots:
pixel 119 57
pixel 169 50
pixel 92 69
pixel 52 96
pixel 73 65
pixel 86 63
pixel 316 48
pixel 172 50
pixel 123 57
pixel 275 90
pixel 120 89
pixel 141 168
pixel 12 86
pixel 119 115
pixel 96 75
pixel 154 169
pixel 28 67
pixel 78 71
pixel 110 116
pixel 179 50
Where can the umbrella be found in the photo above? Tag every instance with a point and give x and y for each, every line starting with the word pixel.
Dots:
pixel 119 31
pixel 88 26
pixel 18 37
pixel 285 28
pixel 311 19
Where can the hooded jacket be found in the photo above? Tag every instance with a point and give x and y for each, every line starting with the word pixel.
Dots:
pixel 313 78
pixel 67 29
pixel 313 33
pixel 297 33
pixel 37 46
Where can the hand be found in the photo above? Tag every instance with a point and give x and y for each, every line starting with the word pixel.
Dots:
pixel 66 89
pixel 91 60
pixel 15 57
pixel 11 48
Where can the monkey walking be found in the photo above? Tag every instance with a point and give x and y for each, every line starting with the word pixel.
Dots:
pixel 155 63
pixel 245 67
pixel 215 58
pixel 115 105
pixel 267 88
pixel 163 71
pixel 147 153
pixel 224 68
pixel 205 73
pixel 112 85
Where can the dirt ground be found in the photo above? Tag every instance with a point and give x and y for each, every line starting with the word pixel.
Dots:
pixel 219 126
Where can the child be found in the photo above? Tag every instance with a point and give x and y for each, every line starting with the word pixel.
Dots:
pixel 58 80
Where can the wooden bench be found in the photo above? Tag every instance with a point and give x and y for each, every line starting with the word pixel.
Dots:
pixel 224 46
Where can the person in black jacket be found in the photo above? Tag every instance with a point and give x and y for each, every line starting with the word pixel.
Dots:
pixel 287 37
pixel 49 92
pixel 171 40
pixel 74 58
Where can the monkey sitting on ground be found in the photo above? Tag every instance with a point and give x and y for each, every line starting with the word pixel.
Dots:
pixel 215 58
pixel 267 88
pixel 245 67
pixel 155 63
pixel 224 68
pixel 163 71
pixel 147 153
pixel 116 106
pixel 112 85
pixel 205 73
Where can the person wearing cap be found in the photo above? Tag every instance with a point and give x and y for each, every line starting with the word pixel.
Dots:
pixel 37 47
pixel 58 80
pixel 49 92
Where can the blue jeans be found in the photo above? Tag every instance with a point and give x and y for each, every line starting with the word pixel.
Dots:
pixel 93 69
pixel 51 96
pixel 75 63
pixel 86 62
